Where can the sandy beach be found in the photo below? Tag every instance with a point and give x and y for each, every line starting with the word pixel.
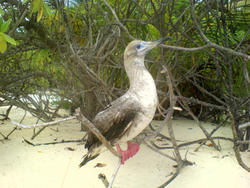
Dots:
pixel 49 166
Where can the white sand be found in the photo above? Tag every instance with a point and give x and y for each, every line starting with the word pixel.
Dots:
pixel 52 166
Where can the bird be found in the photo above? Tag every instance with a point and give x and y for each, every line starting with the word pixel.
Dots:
pixel 130 114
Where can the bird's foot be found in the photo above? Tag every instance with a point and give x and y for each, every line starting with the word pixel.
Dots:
pixel 133 148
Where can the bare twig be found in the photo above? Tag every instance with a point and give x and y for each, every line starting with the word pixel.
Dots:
pixel 3 135
pixel 243 142
pixel 186 107
pixel 115 173
pixel 11 132
pixel 19 20
pixel 8 112
pixel 244 125
pixel 118 21
pixel 236 147
pixel 161 153
pixel 104 180
pixel 173 100
pixel 185 49
pixel 52 143
pixel 170 179
pixel 203 90
pixel 197 101
pixel 202 140
pixel 35 134
pixel 43 124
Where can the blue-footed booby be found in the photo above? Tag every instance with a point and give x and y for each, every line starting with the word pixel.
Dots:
pixel 128 115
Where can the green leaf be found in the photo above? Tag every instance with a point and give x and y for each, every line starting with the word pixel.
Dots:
pixel 24 1
pixel 2 11
pixel 44 53
pixel 8 39
pixel 40 14
pixel 5 26
pixel 1 20
pixel 35 6
pixel 47 9
pixel 154 31
pixel 3 44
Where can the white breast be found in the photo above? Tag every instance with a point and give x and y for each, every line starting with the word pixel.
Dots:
pixel 144 90
pixel 143 86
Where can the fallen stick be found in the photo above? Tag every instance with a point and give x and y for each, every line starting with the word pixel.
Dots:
pixel 244 125
pixel 104 180
pixel 43 124
pixel 52 143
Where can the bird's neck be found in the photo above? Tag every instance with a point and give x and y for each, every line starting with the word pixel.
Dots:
pixel 139 77
pixel 142 85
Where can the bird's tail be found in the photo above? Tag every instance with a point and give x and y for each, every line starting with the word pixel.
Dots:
pixel 88 157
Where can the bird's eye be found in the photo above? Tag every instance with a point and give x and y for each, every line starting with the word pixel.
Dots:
pixel 139 46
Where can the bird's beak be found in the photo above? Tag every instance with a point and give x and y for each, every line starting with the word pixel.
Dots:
pixel 160 41
pixel 152 44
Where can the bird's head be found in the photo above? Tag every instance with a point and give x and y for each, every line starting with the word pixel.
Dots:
pixel 139 48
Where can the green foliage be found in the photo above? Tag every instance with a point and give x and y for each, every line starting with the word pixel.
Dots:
pixel 4 38
pixel 1 11
pixel 39 7
pixel 3 44
pixel 8 39
pixel 4 26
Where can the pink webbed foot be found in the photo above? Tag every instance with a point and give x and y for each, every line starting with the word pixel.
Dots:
pixel 133 148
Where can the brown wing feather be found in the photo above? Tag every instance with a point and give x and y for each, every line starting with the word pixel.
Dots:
pixel 113 121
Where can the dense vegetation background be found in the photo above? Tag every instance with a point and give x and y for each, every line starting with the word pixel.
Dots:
pixel 69 53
